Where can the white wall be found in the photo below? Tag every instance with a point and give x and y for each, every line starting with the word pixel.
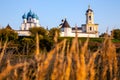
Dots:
pixel 67 31
pixel 23 33
pixel 62 34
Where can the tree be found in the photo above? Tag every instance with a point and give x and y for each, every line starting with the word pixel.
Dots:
pixel 116 33
pixel 8 34
pixel 26 45
pixel 52 32
pixel 40 30
pixel 104 35
pixel 45 43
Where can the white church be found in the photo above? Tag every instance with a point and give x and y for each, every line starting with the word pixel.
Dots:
pixel 29 20
pixel 89 29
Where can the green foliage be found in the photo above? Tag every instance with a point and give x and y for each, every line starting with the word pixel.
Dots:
pixel 40 30
pixel 116 33
pixel 46 44
pixel 115 40
pixel 26 45
pixel 99 40
pixel 104 35
pixel 52 32
pixel 82 39
pixel 8 34
pixel 29 43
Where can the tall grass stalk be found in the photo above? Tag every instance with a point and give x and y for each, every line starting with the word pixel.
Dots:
pixel 64 62
pixel 3 51
pixel 8 69
pixel 37 45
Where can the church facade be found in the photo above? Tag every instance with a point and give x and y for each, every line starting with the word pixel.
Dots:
pixel 29 20
pixel 89 29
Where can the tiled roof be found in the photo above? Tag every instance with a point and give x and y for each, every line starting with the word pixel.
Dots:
pixel 8 27
pixel 65 24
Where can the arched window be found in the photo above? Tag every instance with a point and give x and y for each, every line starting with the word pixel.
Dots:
pixel 89 17
pixel 30 19
pixel 90 28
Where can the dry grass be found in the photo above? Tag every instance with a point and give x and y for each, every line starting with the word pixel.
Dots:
pixel 64 62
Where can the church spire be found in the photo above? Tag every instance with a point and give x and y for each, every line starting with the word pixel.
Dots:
pixel 88 6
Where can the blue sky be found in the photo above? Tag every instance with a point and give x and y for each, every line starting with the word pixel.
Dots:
pixel 51 12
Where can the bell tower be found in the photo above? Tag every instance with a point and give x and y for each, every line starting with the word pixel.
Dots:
pixel 90 26
pixel 89 16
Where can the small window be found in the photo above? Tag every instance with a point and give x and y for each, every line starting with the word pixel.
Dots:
pixel 90 28
pixel 89 17
pixel 30 19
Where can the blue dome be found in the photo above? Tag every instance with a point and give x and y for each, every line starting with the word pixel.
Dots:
pixel 33 16
pixel 29 14
pixel 37 17
pixel 24 16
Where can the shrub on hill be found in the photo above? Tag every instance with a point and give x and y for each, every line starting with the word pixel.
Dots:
pixel 8 34
pixel 116 34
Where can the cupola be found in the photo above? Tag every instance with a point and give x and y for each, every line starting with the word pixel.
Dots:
pixel 37 17
pixel 29 14
pixel 89 9
pixel 24 16
pixel 33 16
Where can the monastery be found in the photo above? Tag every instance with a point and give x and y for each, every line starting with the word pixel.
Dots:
pixel 89 29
